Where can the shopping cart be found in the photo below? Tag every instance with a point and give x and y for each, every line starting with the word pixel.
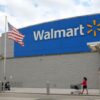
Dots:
pixel 76 89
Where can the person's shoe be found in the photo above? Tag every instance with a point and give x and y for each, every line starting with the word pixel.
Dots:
pixel 87 93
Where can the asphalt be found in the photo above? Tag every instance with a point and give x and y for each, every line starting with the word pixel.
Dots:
pixel 25 96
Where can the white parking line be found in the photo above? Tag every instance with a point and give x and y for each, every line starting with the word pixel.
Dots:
pixel 97 99
pixel 75 99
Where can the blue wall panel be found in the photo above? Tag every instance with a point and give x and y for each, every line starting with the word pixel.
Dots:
pixel 74 36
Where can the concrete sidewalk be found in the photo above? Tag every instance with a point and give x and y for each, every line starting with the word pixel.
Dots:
pixel 51 91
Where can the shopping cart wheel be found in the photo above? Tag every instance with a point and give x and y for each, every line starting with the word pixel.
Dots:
pixel 80 93
pixel 72 93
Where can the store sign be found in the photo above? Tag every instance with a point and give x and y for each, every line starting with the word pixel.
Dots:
pixel 59 37
pixel 54 34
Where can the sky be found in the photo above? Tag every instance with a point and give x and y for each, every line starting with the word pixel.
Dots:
pixel 22 13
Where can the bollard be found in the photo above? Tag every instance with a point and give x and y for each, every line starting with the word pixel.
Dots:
pixel 48 87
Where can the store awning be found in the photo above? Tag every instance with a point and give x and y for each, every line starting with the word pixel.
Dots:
pixel 94 46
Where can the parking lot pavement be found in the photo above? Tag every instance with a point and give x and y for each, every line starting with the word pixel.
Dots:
pixel 67 98
pixel 16 98
pixel 27 96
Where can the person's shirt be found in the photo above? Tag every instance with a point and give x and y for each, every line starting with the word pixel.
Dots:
pixel 84 83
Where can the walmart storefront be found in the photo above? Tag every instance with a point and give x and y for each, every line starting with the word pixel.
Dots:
pixel 55 51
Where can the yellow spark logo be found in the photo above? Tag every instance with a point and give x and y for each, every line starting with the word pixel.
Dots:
pixel 91 28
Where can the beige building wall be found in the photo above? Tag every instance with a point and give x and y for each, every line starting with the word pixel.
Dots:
pixel 60 70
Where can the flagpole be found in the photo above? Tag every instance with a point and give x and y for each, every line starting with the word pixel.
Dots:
pixel 5 48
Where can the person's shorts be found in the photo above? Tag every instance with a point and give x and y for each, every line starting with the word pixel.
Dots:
pixel 84 87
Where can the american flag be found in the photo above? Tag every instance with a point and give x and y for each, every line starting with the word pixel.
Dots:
pixel 15 35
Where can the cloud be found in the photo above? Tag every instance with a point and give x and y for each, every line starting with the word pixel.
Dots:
pixel 22 13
